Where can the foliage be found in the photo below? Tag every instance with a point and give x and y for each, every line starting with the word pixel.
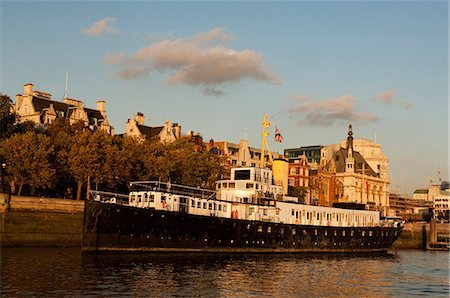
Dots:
pixel 69 156
pixel 7 117
pixel 297 191
pixel 28 158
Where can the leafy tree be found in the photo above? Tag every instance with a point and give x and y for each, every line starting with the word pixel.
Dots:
pixel 62 135
pixel 7 117
pixel 29 155
pixel 297 191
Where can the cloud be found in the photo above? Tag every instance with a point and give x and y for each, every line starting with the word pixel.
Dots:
pixel 114 58
pixel 389 97
pixel 213 91
pixel 200 60
pixel 406 105
pixel 386 96
pixel 328 112
pixel 101 27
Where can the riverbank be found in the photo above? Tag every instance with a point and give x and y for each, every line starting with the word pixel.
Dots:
pixel 32 221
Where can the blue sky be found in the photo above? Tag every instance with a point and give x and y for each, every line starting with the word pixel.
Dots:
pixel 217 67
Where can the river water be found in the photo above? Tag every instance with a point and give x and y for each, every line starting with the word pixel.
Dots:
pixel 66 272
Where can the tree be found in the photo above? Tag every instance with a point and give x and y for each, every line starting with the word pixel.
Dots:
pixel 7 117
pixel 297 191
pixel 30 155
pixel 61 134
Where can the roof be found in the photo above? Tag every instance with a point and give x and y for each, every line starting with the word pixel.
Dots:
pixel 148 131
pixel 421 191
pixel 42 103
pixel 340 157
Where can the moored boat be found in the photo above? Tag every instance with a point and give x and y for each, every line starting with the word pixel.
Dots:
pixel 250 212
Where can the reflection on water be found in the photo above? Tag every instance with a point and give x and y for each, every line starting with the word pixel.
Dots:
pixel 65 272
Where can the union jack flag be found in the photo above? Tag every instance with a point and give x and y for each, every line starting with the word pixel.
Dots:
pixel 278 136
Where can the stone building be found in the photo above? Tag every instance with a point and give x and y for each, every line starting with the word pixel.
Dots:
pixel 345 175
pixel 38 107
pixel 239 154
pixel 167 133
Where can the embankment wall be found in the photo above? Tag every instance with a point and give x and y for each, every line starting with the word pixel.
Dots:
pixel 31 221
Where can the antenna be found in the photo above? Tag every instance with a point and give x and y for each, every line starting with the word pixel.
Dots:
pixel 66 93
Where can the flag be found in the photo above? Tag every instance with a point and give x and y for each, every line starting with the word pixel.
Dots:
pixel 278 137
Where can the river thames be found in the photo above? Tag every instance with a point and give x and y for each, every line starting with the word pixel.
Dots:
pixel 66 272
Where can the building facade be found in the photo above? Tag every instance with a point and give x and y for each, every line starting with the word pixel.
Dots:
pixel 135 127
pixel 38 107
pixel 344 175
pixel 239 154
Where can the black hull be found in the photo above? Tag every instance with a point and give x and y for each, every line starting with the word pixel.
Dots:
pixel 111 227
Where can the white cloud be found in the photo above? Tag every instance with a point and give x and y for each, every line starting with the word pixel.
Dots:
pixel 114 58
pixel 328 112
pixel 386 96
pixel 389 97
pixel 200 60
pixel 101 27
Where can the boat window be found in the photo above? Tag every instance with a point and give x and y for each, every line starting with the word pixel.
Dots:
pixel 152 198
pixel 305 233
pixel 251 210
pixel 307 215
pixel 260 229
pixel 204 205
pixel 210 206
pixel 370 233
pixel 335 233
pixel 363 233
pixel 294 232
pixel 269 230
pixel 199 205
pixel 343 233
pixel 215 206
pixel 220 207
pixel 242 175
pixel 277 211
pixel 249 185
pixel 225 208
pixel 192 203
pixel 231 185
pixel 265 212
pixel 315 232
pixel 326 232
pixel 219 185
pixel 296 214
pixel 293 212
pixel 318 215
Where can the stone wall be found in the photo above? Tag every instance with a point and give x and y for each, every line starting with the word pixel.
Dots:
pixel 32 221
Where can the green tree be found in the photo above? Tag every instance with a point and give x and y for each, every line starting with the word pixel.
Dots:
pixel 7 117
pixel 29 157
pixel 297 191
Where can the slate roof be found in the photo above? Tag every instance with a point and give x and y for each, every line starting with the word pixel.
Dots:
pixel 42 103
pixel 148 131
pixel 340 157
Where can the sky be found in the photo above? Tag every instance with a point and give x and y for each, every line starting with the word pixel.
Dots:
pixel 217 67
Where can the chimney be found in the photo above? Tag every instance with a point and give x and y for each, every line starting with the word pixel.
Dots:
pixel 19 99
pixel 27 89
pixel 101 106
pixel 140 118
pixel 176 130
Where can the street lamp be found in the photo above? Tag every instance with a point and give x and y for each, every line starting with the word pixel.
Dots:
pixel 2 174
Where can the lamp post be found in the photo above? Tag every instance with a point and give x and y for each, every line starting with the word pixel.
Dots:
pixel 5 188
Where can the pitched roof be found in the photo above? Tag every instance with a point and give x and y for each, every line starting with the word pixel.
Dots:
pixel 340 157
pixel 148 131
pixel 42 103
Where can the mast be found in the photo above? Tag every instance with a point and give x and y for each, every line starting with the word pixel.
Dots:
pixel 265 123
